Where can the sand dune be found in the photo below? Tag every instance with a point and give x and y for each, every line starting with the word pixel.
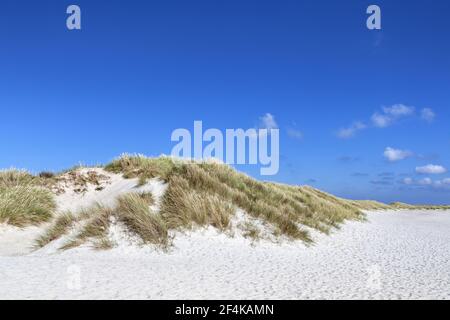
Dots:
pixel 395 254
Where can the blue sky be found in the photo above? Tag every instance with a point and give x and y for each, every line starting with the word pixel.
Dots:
pixel 339 93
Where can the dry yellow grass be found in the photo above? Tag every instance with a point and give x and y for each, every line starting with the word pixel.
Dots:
pixel 58 228
pixel 205 194
pixel 25 205
pixel 208 193
pixel 23 201
pixel 405 206
pixel 133 210
pixel 132 166
pixel 13 178
pixel 186 207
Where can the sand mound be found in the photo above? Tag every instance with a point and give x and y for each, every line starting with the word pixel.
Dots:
pixel 75 191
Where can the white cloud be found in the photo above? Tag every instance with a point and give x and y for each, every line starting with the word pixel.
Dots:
pixel 386 117
pixel 431 169
pixel 381 120
pixel 393 155
pixel 296 134
pixel 349 132
pixel 428 182
pixel 399 110
pixel 428 115
pixel 391 114
pixel 268 122
pixel 408 181
pixel 425 182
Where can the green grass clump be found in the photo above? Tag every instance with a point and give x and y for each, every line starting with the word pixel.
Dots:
pixel 96 221
pixel 58 228
pixel 187 207
pixel 133 166
pixel 13 178
pixel 133 210
pixel 94 224
pixel 25 205
pixel 23 199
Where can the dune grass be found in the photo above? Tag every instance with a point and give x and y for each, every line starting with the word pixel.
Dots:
pixel 405 206
pixel 208 193
pixel 14 177
pixel 25 205
pixel 184 207
pixel 23 201
pixel 93 224
pixel 59 227
pixel 27 199
pixel 139 166
pixel 200 194
pixel 250 230
pixel 133 210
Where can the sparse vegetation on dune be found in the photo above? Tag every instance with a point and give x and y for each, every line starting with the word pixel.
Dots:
pixel 405 206
pixel 27 199
pixel 197 194
pixel 370 205
pixel 251 231
pixel 208 193
pixel 59 227
pixel 95 223
pixel 132 210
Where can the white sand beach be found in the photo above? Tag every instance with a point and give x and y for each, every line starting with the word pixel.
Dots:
pixel 394 255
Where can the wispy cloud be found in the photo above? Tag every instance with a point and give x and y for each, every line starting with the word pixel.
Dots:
pixel 399 110
pixel 408 181
pixel 268 122
pixel 386 174
pixel 443 183
pixel 427 182
pixel 384 118
pixel 428 115
pixel 394 155
pixel 431 169
pixel 390 115
pixel 295 134
pixel 382 182
pixel 419 182
pixel 381 120
pixel 346 133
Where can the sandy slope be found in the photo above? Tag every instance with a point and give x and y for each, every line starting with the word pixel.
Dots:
pixel 18 241
pixel 395 255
